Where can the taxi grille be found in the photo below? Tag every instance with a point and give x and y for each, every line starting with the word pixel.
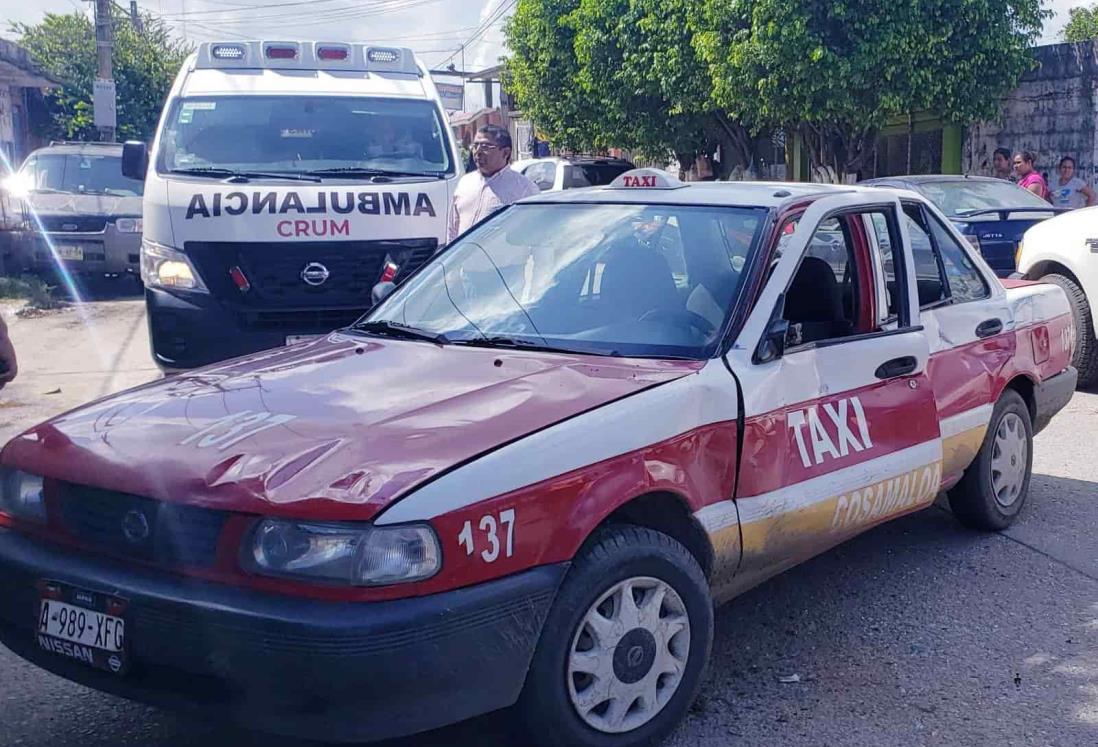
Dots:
pixel 274 270
pixel 141 528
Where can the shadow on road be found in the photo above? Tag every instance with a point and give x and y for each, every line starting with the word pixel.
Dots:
pixel 918 632
pixel 91 288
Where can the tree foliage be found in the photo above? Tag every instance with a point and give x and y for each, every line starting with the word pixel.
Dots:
pixel 144 64
pixel 1082 24
pixel 679 74
pixel 836 72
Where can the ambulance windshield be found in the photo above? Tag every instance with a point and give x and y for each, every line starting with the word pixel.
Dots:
pixel 332 135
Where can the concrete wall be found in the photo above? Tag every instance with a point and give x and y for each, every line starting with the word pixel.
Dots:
pixel 1052 113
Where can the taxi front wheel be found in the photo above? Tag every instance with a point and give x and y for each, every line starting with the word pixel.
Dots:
pixel 623 650
pixel 994 488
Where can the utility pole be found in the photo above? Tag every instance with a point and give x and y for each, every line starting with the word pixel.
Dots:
pixel 135 17
pixel 103 102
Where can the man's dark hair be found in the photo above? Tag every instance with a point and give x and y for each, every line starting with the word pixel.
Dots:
pixel 1004 152
pixel 1068 159
pixel 499 135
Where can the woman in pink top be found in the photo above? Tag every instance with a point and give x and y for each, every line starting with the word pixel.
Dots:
pixel 1028 177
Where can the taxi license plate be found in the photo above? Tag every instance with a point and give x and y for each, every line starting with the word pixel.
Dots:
pixel 71 252
pixel 78 626
pixel 294 339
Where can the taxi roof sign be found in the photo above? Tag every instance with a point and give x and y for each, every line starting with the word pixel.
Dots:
pixel 647 179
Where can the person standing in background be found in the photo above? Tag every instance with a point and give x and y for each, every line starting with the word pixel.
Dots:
pixel 493 185
pixel 1070 191
pixel 1001 164
pixel 8 366
pixel 1028 176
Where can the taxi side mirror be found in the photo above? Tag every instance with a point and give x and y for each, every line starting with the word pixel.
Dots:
pixel 381 291
pixel 773 341
pixel 135 160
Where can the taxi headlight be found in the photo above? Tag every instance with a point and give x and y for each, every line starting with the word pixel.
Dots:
pixel 164 267
pixel 22 496
pixel 350 554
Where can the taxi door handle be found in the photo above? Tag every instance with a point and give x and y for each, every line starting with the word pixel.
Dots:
pixel 897 367
pixel 990 328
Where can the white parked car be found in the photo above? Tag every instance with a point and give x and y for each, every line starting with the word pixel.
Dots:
pixel 555 174
pixel 1064 251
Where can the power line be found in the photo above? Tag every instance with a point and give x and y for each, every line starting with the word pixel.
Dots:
pixel 493 18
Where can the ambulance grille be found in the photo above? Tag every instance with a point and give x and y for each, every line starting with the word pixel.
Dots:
pixel 131 526
pixel 275 270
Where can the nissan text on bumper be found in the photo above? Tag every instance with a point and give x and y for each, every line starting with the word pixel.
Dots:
pixel 527 475
pixel 274 204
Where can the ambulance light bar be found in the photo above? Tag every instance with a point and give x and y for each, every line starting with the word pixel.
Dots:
pixel 306 55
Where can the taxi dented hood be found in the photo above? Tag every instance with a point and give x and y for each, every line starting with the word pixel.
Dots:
pixel 336 429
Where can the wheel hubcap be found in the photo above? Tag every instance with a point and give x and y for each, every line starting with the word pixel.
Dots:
pixel 628 655
pixel 1008 460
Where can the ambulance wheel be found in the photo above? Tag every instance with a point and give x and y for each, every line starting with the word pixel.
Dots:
pixel 1085 355
pixel 994 487
pixel 623 650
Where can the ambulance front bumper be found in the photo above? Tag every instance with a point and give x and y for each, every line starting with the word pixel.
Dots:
pixel 336 671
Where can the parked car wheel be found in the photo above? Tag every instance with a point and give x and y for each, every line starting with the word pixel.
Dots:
pixel 1085 357
pixel 994 487
pixel 622 652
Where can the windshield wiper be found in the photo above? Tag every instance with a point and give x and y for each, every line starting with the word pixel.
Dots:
pixel 387 328
pixel 220 173
pixel 351 172
pixel 513 343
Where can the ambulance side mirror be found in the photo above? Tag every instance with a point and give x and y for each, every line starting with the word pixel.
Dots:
pixel 135 160
pixel 381 291
pixel 772 343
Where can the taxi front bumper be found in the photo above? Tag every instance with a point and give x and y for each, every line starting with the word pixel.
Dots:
pixel 337 671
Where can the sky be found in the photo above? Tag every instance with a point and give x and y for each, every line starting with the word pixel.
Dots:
pixel 436 29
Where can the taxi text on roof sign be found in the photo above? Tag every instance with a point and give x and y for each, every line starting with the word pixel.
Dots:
pixel 646 179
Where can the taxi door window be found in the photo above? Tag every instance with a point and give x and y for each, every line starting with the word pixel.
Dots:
pixel 822 301
pixel 964 280
pixel 881 235
pixel 944 271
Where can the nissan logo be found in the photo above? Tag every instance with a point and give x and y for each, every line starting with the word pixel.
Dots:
pixel 135 526
pixel 69 226
pixel 315 274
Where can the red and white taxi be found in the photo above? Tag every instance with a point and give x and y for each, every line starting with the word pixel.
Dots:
pixel 528 474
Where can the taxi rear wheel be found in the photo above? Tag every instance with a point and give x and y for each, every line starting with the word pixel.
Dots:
pixel 994 487
pixel 623 650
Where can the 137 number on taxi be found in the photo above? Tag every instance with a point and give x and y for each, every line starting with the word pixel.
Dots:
pixel 491 528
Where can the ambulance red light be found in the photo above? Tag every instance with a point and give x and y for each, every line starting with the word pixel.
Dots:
pixel 389 273
pixel 281 53
pixel 332 53
pixel 240 280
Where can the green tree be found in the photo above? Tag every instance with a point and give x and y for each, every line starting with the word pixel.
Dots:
pixel 543 76
pixel 836 72
pixel 1082 24
pixel 144 62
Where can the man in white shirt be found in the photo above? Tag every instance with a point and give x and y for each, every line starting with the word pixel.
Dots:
pixel 491 186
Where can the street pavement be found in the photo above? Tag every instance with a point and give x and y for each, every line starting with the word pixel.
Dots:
pixel 916 633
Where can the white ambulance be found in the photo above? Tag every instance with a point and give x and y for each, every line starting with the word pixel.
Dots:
pixel 286 179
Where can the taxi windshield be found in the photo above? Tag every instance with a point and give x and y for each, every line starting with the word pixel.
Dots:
pixel 605 279
pixel 305 134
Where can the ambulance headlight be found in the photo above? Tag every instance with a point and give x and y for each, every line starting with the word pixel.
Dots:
pixel 347 554
pixel 22 496
pixel 128 225
pixel 164 267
